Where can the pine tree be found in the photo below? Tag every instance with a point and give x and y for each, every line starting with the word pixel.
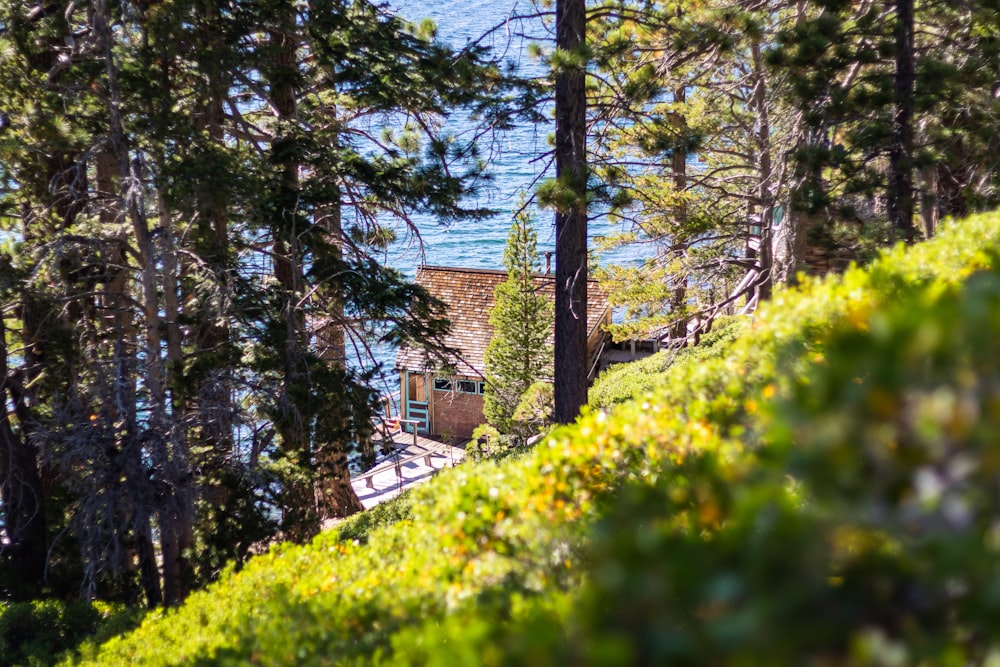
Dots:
pixel 677 80
pixel 898 111
pixel 175 175
pixel 519 353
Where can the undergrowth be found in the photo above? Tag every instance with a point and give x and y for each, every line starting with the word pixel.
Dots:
pixel 623 382
pixel 822 490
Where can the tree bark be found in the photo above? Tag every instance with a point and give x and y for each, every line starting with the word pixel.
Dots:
pixel 788 245
pixel 678 331
pixel 129 172
pixel 208 407
pixel 335 497
pixel 764 194
pixel 571 220
pixel 301 520
pixel 324 488
pixel 929 210
pixel 22 502
pixel 900 190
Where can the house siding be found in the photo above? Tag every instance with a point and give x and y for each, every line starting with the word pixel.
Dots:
pixel 457 413
pixel 469 294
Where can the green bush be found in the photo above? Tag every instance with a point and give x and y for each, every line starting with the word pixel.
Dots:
pixel 822 490
pixel 360 526
pixel 624 382
pixel 39 632
pixel 862 531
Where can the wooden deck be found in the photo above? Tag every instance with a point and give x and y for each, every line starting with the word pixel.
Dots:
pixel 415 460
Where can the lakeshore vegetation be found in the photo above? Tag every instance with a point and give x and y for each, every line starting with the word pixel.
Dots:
pixel 196 197
pixel 819 488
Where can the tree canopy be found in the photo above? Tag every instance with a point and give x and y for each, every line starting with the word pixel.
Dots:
pixel 753 141
pixel 195 195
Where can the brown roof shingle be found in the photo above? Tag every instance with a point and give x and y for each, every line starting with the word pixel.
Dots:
pixel 469 295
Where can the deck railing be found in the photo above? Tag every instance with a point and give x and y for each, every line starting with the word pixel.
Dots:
pixel 442 449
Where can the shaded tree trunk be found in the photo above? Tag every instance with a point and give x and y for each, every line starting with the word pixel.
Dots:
pixel 23 507
pixel 129 177
pixel 929 209
pixel 208 407
pixel 764 194
pixel 571 221
pixel 301 520
pixel 322 488
pixel 679 159
pixel 335 497
pixel 900 190
pixel 788 245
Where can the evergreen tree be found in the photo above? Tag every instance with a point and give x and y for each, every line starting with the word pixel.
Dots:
pixel 825 124
pixel 677 80
pixel 519 353
pixel 898 107
pixel 194 188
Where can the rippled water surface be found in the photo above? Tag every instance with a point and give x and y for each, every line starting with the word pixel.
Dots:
pixel 519 156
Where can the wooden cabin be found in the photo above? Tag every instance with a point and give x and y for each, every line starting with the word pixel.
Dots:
pixel 452 402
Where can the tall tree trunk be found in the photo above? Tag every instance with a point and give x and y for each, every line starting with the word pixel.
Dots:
pixel 790 242
pixel 130 177
pixel 301 519
pixel 209 408
pixel 900 190
pixel 21 502
pixel 764 194
pixel 214 333
pixel 22 492
pixel 119 329
pixel 929 209
pixel 335 497
pixel 571 222
pixel 678 330
pixel 149 575
pixel 324 488
pixel 177 512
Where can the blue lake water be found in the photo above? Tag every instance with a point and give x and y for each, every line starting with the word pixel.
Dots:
pixel 519 156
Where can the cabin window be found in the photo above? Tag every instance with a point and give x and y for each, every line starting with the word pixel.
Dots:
pixel 461 386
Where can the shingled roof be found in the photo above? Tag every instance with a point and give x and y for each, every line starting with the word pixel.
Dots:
pixel 468 294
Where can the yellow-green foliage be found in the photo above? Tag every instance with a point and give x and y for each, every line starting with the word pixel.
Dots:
pixel 623 382
pixel 824 492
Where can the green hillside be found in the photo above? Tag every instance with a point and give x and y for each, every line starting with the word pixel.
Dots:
pixel 821 490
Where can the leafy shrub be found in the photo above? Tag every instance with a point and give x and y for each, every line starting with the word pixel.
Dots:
pixel 624 382
pixel 864 529
pixel 360 526
pixel 38 632
pixel 487 443
pixel 820 491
